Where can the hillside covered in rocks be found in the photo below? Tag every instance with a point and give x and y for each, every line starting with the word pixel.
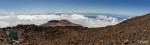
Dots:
pixel 135 31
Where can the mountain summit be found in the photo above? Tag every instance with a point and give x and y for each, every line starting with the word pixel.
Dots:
pixel 63 22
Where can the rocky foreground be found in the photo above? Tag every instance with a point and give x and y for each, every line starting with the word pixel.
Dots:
pixel 135 31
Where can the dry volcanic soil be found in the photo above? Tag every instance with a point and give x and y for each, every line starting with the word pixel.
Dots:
pixel 134 31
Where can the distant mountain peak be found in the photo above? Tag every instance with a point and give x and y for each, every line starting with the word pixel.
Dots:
pixel 53 23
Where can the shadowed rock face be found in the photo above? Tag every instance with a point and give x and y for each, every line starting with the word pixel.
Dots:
pixel 135 31
pixel 54 23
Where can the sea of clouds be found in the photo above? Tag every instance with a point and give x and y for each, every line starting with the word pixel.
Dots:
pixel 99 21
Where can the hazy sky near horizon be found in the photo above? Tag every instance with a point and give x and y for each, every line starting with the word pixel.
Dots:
pixel 122 7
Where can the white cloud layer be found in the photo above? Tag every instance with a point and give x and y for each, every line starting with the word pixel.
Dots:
pixel 99 21
pixel 10 19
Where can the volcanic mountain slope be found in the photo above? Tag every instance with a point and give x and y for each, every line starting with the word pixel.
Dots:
pixel 54 23
pixel 135 31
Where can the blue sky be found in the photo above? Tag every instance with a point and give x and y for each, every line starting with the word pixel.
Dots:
pixel 122 7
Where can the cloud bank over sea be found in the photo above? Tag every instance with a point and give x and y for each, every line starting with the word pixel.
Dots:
pixel 99 21
pixel 11 19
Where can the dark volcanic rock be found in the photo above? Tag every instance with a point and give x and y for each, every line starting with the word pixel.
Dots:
pixel 135 31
